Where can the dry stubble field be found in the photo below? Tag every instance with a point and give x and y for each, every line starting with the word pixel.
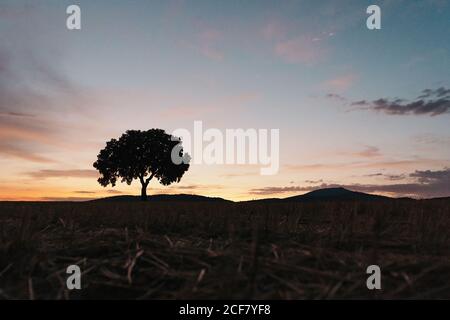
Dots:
pixel 208 250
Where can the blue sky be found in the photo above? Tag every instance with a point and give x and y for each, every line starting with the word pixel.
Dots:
pixel 293 65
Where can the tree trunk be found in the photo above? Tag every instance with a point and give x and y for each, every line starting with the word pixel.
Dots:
pixel 144 192
pixel 144 184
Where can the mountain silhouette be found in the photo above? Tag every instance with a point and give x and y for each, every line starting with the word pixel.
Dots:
pixel 335 194
pixel 163 198
pixel 327 194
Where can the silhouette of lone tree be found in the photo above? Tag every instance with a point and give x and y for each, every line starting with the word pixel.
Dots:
pixel 142 155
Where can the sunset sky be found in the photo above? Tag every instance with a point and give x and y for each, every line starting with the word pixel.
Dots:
pixel 364 109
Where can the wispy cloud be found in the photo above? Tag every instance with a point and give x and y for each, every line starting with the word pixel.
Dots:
pixel 9 150
pixel 431 102
pixel 302 49
pixel 428 138
pixel 369 152
pixel 395 177
pixel 366 152
pixel 379 164
pixel 429 176
pixel 34 92
pixel 274 29
pixel 240 174
pixel 112 191
pixel 424 184
pixel 312 181
pixel 196 187
pixel 68 199
pixel 188 187
pixel 27 129
pixel 207 42
pixel 335 96
pixel 44 174
pixel 341 83
pixel 280 190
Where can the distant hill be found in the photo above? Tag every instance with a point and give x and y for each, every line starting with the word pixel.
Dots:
pixel 163 198
pixel 334 194
pixel 440 198
pixel 327 194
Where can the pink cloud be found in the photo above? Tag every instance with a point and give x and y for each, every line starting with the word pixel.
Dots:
pixel 273 30
pixel 210 35
pixel 188 111
pixel 22 153
pixel 43 174
pixel 205 40
pixel 211 53
pixel 207 44
pixel 300 50
pixel 369 152
pixel 342 83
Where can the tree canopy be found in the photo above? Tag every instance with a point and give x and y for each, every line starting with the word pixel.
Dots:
pixel 141 155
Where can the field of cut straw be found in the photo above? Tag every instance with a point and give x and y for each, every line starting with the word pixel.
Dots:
pixel 225 250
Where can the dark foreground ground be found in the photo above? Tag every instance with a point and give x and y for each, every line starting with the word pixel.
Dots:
pixel 225 250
